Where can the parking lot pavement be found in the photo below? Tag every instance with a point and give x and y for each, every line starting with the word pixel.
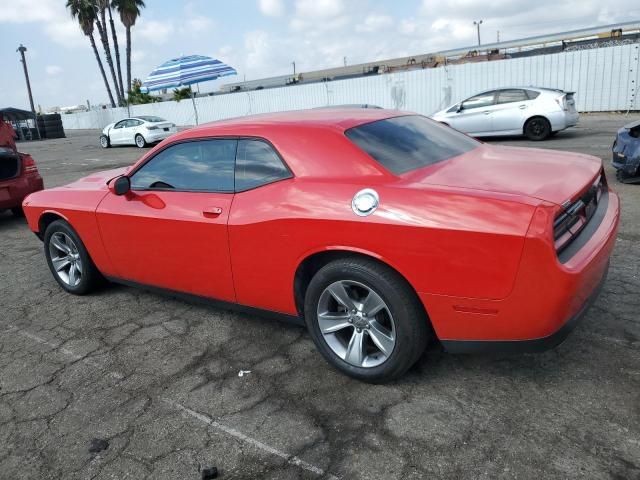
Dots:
pixel 158 378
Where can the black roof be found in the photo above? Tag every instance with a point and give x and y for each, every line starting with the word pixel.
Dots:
pixel 15 114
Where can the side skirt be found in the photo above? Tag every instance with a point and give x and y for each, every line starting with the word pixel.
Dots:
pixel 212 302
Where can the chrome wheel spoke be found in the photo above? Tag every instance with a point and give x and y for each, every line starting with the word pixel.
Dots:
pixel 355 350
pixel 332 322
pixel 57 241
pixel 79 266
pixel 339 292
pixel 381 337
pixel 373 304
pixel 60 263
pixel 72 275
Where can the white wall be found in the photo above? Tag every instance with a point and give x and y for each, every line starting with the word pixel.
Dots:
pixel 605 79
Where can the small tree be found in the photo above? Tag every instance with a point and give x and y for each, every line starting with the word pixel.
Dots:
pixel 137 97
pixel 181 93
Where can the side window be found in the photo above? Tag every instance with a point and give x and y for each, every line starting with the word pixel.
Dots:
pixel 532 94
pixel 133 123
pixel 512 95
pixel 199 166
pixel 479 101
pixel 120 124
pixel 257 164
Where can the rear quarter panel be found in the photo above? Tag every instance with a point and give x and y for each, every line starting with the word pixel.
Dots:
pixel 444 243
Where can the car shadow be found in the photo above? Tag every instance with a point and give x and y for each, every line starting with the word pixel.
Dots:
pixel 9 220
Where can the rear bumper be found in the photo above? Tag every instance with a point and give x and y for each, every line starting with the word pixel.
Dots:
pixel 13 192
pixel 564 119
pixel 153 136
pixel 527 346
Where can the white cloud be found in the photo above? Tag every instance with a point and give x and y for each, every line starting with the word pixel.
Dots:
pixel 154 31
pixel 271 8
pixel 53 70
pixel 374 23
pixel 197 24
pixel 319 9
pixel 24 11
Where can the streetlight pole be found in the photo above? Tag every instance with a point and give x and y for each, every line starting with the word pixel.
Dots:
pixel 23 49
pixel 477 24
pixel 294 68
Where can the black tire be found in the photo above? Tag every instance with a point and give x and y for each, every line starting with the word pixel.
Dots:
pixel 537 129
pixel 90 277
pixel 140 141
pixel 105 141
pixel 17 212
pixel 412 329
pixel 53 124
pixel 56 135
pixel 54 131
pixel 51 116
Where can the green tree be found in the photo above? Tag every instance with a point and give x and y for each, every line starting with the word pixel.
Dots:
pixel 136 96
pixel 181 93
pixel 85 13
pixel 129 11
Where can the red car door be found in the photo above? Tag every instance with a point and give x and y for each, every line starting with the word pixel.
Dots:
pixel 170 230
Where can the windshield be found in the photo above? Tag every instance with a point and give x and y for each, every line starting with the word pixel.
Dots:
pixel 402 144
pixel 149 118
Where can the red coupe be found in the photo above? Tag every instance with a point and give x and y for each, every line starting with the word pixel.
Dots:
pixel 378 229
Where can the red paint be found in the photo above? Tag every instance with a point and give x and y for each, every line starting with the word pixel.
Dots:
pixel 14 190
pixel 472 235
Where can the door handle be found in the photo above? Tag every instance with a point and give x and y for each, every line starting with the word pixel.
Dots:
pixel 486 112
pixel 212 212
pixel 522 107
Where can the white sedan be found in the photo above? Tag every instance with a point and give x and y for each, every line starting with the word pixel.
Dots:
pixel 138 131
pixel 534 112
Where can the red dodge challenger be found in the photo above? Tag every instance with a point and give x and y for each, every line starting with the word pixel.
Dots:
pixel 378 229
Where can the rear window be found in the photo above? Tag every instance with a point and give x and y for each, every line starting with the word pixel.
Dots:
pixel 402 144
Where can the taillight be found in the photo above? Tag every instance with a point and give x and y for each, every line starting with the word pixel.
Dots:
pixel 28 165
pixel 562 102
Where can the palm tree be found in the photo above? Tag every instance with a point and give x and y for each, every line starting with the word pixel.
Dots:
pixel 101 22
pixel 129 11
pixel 116 48
pixel 85 13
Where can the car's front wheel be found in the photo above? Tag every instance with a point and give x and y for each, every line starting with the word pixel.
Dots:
pixel 365 319
pixel 104 141
pixel 140 141
pixel 69 260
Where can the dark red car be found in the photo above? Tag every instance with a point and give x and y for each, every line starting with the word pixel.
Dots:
pixel 378 229
pixel 18 178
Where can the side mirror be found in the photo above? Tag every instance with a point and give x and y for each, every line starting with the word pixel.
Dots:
pixel 459 109
pixel 121 185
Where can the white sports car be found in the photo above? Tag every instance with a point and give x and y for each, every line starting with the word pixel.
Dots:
pixel 138 131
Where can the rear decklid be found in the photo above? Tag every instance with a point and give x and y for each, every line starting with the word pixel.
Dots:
pixel 543 174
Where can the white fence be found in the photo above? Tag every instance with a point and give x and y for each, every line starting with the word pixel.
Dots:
pixel 605 79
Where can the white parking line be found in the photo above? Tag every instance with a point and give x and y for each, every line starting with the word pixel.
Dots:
pixel 291 459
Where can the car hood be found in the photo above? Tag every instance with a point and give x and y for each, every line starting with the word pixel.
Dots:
pixel 107 128
pixel 97 180
pixel 543 174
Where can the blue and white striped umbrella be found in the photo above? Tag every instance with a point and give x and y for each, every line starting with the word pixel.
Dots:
pixel 186 71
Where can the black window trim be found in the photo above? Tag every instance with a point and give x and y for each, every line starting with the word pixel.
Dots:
pixel 235 159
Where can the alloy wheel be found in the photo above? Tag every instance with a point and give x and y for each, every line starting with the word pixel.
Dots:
pixel 65 259
pixel 356 323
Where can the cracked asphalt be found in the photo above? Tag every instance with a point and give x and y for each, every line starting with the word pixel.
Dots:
pixel 158 377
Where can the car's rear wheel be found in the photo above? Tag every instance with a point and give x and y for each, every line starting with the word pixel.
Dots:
pixel 365 319
pixel 69 260
pixel 537 128
pixel 105 142
pixel 140 141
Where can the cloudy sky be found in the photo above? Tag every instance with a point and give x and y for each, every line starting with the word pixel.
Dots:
pixel 262 37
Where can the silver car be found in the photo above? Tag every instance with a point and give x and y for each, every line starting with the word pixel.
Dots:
pixel 536 113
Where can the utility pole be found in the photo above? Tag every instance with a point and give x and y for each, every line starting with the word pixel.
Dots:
pixel 498 36
pixel 23 49
pixel 344 60
pixel 477 24
pixel 294 68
